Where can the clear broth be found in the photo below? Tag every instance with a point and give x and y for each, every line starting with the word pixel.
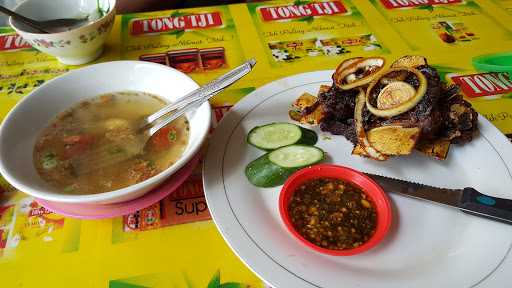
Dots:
pixel 106 120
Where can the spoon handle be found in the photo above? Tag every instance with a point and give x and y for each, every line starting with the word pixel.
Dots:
pixel 23 19
pixel 215 85
pixel 198 96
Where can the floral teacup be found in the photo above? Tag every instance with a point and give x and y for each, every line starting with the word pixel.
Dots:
pixel 74 47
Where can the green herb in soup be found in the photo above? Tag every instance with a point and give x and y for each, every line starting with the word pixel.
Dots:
pixel 106 122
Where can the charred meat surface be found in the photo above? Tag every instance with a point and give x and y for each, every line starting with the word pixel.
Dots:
pixel 439 110
pixel 460 120
pixel 338 106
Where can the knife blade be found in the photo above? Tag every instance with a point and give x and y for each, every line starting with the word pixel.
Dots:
pixel 468 199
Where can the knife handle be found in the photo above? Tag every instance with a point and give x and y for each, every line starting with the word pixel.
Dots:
pixel 476 203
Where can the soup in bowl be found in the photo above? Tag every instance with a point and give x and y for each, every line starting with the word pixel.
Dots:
pixel 45 139
pixel 96 146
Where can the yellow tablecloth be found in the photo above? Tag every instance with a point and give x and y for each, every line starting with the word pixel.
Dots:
pixel 181 247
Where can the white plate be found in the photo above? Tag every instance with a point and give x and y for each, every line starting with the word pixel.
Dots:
pixel 428 245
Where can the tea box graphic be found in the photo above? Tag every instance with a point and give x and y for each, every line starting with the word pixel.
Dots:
pixel 190 60
pixel 34 222
pixel 450 32
pixel 145 219
pixel 26 225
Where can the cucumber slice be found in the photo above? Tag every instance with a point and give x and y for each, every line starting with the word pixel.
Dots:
pixel 275 135
pixel 273 168
pixel 294 156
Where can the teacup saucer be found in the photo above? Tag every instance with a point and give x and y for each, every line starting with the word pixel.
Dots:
pixel 99 211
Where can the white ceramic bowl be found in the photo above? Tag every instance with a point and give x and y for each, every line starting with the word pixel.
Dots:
pixel 74 47
pixel 24 123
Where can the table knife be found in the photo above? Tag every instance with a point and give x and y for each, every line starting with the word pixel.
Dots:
pixel 468 199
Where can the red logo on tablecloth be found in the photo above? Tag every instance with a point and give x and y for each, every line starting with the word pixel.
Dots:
pixel 172 23
pixel 299 11
pixel 485 84
pixel 10 42
pixel 39 211
pixel 393 4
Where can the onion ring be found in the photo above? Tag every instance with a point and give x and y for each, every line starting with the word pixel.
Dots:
pixel 402 107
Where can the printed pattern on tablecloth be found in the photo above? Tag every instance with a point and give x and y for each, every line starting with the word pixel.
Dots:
pixel 310 32
pixel 443 25
pixel 185 205
pixel 24 223
pixel 22 69
pixel 201 41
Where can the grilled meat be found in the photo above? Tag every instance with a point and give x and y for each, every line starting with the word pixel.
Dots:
pixel 441 114
pixel 338 106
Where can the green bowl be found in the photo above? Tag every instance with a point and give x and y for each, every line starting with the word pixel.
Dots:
pixel 498 62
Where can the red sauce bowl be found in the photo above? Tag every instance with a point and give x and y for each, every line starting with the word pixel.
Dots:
pixel 356 178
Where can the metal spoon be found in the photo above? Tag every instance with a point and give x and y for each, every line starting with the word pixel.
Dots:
pixel 143 130
pixel 47 26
